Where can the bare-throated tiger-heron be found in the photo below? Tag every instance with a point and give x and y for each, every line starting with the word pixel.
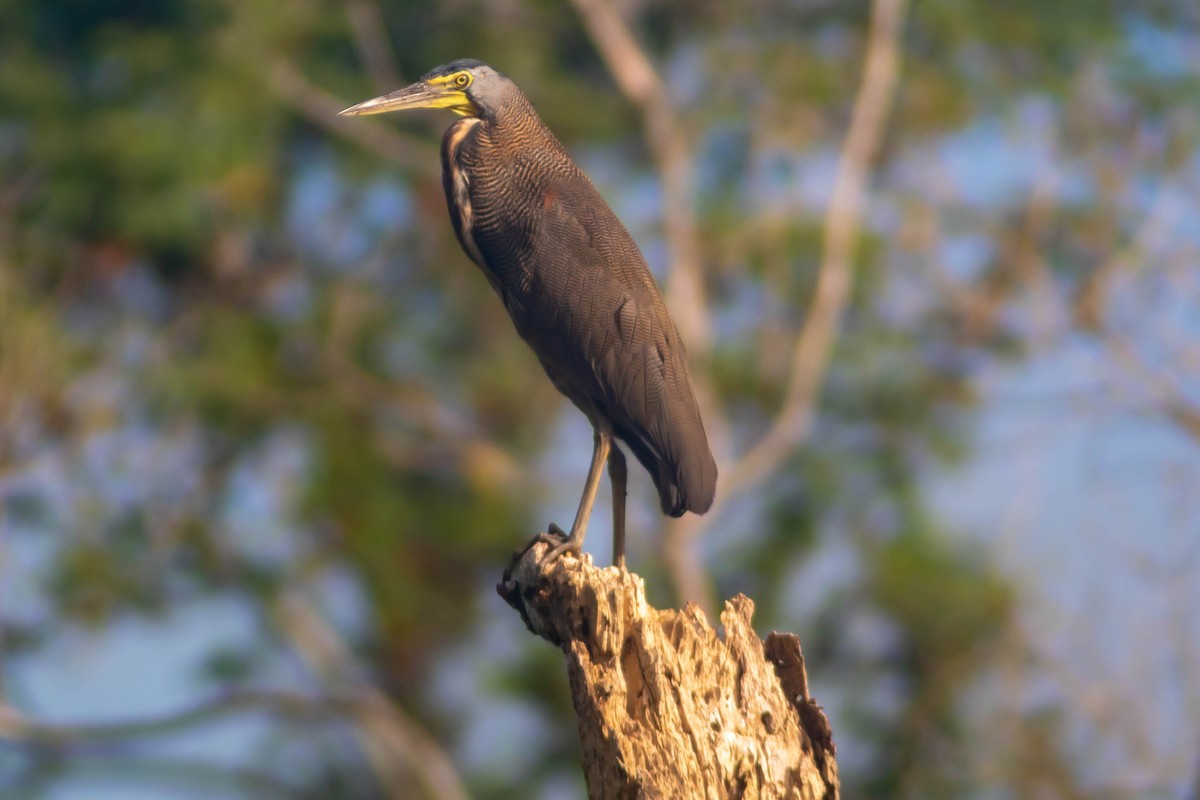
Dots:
pixel 575 284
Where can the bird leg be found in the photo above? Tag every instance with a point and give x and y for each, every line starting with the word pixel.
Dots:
pixel 618 474
pixel 573 542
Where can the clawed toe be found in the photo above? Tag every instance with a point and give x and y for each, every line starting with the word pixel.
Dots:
pixel 559 540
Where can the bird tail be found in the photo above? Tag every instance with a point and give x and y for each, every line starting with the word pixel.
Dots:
pixel 686 479
pixel 692 486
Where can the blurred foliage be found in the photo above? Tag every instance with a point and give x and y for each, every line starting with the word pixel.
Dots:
pixel 199 280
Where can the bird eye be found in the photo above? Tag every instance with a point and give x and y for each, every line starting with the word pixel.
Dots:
pixel 462 80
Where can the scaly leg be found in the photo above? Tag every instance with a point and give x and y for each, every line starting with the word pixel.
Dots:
pixel 573 542
pixel 618 474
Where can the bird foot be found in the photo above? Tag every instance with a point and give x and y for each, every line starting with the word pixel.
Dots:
pixel 560 542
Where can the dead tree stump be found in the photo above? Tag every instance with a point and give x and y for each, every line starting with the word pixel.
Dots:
pixel 667 708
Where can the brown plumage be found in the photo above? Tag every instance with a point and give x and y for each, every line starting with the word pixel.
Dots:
pixel 575 284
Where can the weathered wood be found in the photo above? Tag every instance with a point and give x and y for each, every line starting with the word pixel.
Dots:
pixel 666 707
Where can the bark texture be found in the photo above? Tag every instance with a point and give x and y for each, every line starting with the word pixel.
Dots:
pixel 667 708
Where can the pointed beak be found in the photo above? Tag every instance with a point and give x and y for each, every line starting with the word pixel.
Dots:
pixel 420 95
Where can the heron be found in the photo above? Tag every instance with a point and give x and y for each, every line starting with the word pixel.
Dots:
pixel 576 286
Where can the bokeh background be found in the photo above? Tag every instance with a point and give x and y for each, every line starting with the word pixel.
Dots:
pixel 267 439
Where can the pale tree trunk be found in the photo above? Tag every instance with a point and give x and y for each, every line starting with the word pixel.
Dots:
pixel 668 708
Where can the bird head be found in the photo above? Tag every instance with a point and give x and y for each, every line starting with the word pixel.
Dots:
pixel 467 87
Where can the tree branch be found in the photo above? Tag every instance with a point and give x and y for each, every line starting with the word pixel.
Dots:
pixel 814 345
pixel 17 728
pixel 1171 400
pixel 158 770
pixel 321 108
pixel 395 745
pixel 392 738
pixel 373 48
pixel 1091 313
